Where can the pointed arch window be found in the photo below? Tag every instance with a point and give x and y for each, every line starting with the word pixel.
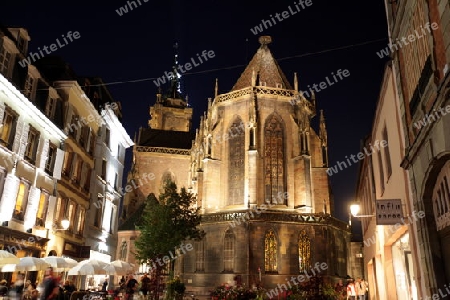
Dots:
pixel 270 252
pixel 273 160
pixel 123 251
pixel 304 251
pixel 200 255
pixel 236 163
pixel 228 251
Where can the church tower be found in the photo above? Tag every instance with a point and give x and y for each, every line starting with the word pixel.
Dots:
pixel 258 170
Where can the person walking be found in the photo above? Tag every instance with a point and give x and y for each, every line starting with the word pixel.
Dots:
pixel 341 290
pixel 131 286
pixel 361 288
pixel 50 286
pixel 351 290
pixel 145 284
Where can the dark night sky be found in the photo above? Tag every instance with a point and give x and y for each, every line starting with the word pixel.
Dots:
pixel 138 45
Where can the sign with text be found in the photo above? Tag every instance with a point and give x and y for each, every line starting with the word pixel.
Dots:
pixel 389 211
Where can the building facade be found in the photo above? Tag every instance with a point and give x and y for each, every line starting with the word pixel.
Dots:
pixel 423 82
pixel 31 154
pixel 391 257
pixel 258 170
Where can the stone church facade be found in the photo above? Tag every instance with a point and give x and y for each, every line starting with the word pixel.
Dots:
pixel 258 170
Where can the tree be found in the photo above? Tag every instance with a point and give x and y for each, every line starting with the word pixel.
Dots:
pixel 166 223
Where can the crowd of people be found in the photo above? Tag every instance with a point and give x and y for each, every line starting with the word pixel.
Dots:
pixel 353 290
pixel 49 289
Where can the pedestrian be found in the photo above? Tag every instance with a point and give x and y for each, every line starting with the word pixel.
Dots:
pixel 351 290
pixel 105 285
pixel 19 286
pixel 50 286
pixel 145 284
pixel 3 287
pixel 341 290
pixel 360 288
pixel 131 286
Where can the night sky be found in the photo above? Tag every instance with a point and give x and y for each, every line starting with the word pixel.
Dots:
pixel 313 41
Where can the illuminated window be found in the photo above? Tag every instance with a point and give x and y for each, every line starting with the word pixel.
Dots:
pixel 304 251
pixel 42 209
pixel 81 220
pixel 200 255
pixel 21 201
pixel 73 126
pixel 68 157
pixel 71 213
pixel 228 251
pixel 273 160
pixel 236 169
pixel 270 252
pixel 9 127
pixel 107 214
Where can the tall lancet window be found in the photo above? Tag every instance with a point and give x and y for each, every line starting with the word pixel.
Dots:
pixel 273 160
pixel 236 162
pixel 270 252
pixel 228 251
pixel 304 251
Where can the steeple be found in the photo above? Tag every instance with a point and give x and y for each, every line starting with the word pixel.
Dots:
pixel 323 139
pixel 263 70
pixel 174 90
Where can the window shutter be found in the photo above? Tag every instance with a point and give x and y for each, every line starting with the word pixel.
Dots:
pixel 32 207
pixel 59 159
pixel 43 150
pixel 9 197
pixel 49 218
pixel 24 140
pixel 2 112
pixel 17 141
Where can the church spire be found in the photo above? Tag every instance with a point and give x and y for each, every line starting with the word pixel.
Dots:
pixel 174 77
pixel 324 139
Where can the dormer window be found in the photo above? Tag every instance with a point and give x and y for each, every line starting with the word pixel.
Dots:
pixel 28 90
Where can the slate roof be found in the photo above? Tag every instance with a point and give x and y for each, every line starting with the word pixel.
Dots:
pixel 168 139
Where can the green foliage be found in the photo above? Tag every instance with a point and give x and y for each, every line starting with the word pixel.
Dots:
pixel 175 286
pixel 167 222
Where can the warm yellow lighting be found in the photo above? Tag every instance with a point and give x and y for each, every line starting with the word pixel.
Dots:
pixel 354 209
pixel 65 224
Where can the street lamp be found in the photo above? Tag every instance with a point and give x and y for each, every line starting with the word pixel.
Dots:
pixel 354 211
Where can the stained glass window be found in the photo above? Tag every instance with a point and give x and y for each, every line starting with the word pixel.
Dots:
pixel 236 163
pixel 274 160
pixel 304 251
pixel 228 251
pixel 270 252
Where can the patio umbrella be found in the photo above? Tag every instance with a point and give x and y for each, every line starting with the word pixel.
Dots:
pixel 60 263
pixel 26 264
pixel 8 258
pixel 88 267
pixel 118 267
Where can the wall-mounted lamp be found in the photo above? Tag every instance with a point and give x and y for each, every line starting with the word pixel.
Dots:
pixel 354 210
pixel 64 223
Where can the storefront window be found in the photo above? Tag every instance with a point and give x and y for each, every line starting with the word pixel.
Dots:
pixel 404 269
